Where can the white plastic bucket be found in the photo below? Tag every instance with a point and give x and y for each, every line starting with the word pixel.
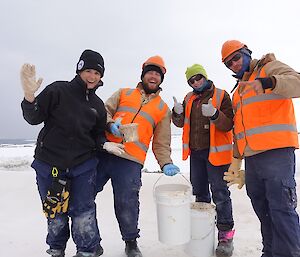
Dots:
pixel 202 243
pixel 173 213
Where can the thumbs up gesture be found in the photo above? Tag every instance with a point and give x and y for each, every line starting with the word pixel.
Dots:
pixel 208 110
pixel 178 107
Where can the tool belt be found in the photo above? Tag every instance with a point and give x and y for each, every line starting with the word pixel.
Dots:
pixel 58 195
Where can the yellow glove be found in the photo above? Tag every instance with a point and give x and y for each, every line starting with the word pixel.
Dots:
pixel 235 175
pixel 29 83
pixel 63 205
pixel 57 199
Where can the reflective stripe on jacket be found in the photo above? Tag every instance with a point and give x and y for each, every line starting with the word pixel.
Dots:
pixel 220 151
pixel 265 121
pixel 132 110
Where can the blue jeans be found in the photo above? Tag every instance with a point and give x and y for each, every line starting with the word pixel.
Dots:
pixel 125 178
pixel 82 207
pixel 205 176
pixel 271 186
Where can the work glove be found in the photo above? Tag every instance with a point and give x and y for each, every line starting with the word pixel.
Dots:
pixel 178 107
pixel 114 148
pixel 208 110
pixel 235 175
pixel 57 199
pixel 170 169
pixel 29 83
pixel 115 128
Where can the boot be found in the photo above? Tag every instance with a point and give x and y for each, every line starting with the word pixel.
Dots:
pixel 56 252
pixel 132 250
pixel 225 244
pixel 98 252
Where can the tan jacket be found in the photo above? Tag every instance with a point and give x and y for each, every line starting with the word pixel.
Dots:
pixel 287 83
pixel 161 140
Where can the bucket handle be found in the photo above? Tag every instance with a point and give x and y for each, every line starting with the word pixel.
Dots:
pixel 163 175
pixel 205 236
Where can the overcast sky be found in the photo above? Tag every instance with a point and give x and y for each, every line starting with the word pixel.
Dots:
pixel 53 34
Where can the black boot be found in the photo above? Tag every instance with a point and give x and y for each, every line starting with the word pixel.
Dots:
pixel 225 244
pixel 56 252
pixel 132 250
pixel 98 252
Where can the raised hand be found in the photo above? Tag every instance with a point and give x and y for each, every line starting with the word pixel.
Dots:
pixel 178 107
pixel 29 83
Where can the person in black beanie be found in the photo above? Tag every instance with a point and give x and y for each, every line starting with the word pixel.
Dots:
pixel 74 120
pixel 90 59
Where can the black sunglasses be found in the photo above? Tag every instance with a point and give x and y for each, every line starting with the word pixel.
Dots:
pixel 192 80
pixel 235 58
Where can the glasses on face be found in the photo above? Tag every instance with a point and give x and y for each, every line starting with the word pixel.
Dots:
pixel 235 58
pixel 192 80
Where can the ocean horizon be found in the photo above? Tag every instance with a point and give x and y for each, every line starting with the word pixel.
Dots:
pixel 16 141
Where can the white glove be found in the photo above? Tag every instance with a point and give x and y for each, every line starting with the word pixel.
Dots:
pixel 29 83
pixel 178 107
pixel 114 148
pixel 208 110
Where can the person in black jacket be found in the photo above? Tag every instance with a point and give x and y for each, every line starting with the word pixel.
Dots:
pixel 74 120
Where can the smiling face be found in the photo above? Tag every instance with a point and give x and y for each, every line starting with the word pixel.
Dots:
pixel 152 80
pixel 90 77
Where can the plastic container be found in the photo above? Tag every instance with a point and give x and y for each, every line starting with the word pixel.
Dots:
pixel 173 213
pixel 202 243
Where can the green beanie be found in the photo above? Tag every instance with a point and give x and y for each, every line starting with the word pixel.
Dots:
pixel 194 70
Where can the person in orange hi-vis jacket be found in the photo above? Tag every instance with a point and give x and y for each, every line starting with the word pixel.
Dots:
pixel 206 117
pixel 144 106
pixel 265 136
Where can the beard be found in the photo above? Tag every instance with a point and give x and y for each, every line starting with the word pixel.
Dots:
pixel 149 90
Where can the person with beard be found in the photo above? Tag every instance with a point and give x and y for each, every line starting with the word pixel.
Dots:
pixel 65 159
pixel 265 136
pixel 144 106
pixel 206 117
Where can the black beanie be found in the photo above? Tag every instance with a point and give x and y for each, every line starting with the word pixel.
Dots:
pixel 151 67
pixel 90 59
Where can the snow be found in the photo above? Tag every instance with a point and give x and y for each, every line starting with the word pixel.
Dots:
pixel 23 226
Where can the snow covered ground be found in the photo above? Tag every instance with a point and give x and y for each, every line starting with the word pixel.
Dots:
pixel 23 226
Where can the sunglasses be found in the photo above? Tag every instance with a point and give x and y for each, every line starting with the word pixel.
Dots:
pixel 192 80
pixel 235 58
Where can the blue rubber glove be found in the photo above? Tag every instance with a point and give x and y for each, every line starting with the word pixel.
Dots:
pixel 170 169
pixel 115 128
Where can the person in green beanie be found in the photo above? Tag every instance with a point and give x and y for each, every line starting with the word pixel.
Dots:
pixel 206 117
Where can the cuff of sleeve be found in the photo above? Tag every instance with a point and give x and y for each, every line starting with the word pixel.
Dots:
pixel 29 105
pixel 175 114
pixel 108 125
pixel 215 116
pixel 267 82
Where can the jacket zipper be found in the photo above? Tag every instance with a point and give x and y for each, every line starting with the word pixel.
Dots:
pixel 137 113
pixel 243 118
pixel 87 95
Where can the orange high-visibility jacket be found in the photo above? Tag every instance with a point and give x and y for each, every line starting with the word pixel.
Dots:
pixel 220 151
pixel 265 121
pixel 148 115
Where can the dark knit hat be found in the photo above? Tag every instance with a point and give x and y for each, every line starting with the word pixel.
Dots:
pixel 152 68
pixel 90 59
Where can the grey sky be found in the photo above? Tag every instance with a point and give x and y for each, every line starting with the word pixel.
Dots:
pixel 52 35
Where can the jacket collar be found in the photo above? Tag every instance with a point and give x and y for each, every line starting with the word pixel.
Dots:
pixel 81 86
